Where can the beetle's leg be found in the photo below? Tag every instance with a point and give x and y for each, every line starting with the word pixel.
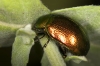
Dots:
pixel 63 50
pixel 46 42
pixel 42 36
pixel 36 39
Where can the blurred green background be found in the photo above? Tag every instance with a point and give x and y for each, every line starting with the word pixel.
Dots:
pixel 60 4
pixel 5 53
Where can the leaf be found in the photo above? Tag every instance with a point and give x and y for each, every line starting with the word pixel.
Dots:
pixel 7 33
pixel 15 14
pixel 52 55
pixel 76 59
pixel 22 45
pixel 21 11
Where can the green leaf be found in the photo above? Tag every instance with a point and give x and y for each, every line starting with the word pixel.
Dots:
pixel 22 45
pixel 76 59
pixel 7 33
pixel 15 14
pixel 52 54
pixel 21 11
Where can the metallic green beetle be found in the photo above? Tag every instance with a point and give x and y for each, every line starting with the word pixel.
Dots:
pixel 65 31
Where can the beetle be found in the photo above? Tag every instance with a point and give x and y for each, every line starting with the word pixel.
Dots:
pixel 68 33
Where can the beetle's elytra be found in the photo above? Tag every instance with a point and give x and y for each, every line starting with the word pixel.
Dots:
pixel 66 32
